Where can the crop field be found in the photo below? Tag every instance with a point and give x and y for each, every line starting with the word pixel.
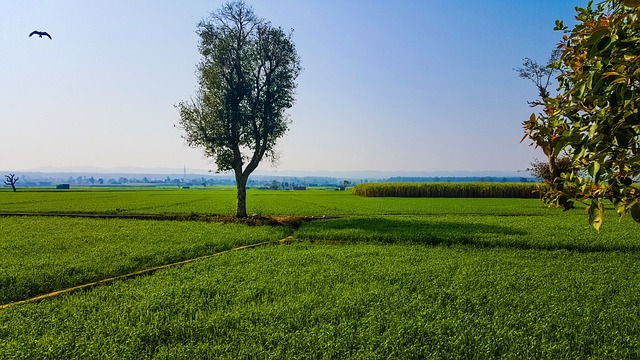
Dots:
pixel 389 278
pixel 213 201
pixel 43 254
pixel 447 190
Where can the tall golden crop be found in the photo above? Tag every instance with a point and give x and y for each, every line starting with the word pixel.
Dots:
pixel 453 190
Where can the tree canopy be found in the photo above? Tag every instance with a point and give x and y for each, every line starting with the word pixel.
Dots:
pixel 595 115
pixel 246 81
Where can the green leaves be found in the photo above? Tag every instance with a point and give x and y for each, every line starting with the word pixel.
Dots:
pixel 596 213
pixel 595 116
pixel 594 169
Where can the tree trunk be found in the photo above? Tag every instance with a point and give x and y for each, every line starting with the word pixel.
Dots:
pixel 241 186
pixel 555 172
pixel 553 168
pixel 13 186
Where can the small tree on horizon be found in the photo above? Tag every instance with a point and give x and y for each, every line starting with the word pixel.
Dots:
pixel 11 180
pixel 246 83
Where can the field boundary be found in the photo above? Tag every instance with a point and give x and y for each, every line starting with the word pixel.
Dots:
pixel 143 272
pixel 289 221
pixel 96 215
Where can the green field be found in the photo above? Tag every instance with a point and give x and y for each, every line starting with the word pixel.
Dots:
pixel 212 201
pixel 43 254
pixel 391 278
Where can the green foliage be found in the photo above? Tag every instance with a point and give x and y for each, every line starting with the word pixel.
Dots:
pixel 595 117
pixel 448 190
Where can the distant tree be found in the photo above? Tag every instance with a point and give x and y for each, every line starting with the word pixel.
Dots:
pixel 540 75
pixel 542 130
pixel 100 181
pixel 11 180
pixel 246 83
pixel 542 171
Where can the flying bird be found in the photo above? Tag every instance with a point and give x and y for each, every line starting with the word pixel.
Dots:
pixel 40 33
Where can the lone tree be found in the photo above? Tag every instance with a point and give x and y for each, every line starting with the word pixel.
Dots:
pixel 246 81
pixel 595 116
pixel 11 180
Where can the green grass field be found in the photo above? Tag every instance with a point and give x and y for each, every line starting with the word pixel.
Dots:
pixel 213 201
pixel 43 254
pixel 393 278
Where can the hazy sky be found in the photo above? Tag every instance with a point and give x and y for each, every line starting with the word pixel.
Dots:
pixel 396 85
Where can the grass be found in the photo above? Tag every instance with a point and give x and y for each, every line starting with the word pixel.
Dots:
pixel 569 232
pixel 43 254
pixel 395 278
pixel 354 301
pixel 212 201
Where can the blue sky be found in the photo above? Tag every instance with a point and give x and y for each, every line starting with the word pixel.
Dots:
pixel 401 85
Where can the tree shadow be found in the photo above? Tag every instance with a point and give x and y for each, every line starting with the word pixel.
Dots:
pixel 449 232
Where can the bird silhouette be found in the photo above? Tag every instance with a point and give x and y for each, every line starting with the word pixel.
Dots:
pixel 40 33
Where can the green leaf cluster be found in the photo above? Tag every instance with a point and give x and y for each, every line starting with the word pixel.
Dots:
pixel 596 115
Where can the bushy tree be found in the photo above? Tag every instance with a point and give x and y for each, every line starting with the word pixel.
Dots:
pixel 595 116
pixel 246 83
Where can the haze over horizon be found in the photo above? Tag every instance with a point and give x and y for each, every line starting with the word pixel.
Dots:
pixel 400 86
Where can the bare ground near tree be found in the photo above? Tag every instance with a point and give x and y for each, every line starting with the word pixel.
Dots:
pixel 289 221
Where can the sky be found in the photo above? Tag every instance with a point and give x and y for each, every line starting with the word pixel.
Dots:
pixel 387 85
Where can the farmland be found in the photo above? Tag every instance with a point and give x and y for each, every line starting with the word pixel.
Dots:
pixel 389 278
pixel 211 201
pixel 447 190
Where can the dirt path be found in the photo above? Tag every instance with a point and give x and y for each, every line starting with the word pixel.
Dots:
pixel 291 221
